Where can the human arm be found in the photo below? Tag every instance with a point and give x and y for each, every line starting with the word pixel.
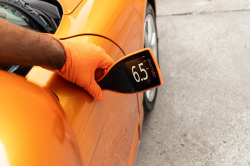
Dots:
pixel 20 46
pixel 75 61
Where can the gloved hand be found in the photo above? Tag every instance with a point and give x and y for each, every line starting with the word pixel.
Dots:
pixel 82 61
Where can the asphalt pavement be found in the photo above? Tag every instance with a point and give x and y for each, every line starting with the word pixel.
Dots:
pixel 202 112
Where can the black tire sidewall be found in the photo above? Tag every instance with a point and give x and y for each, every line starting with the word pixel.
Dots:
pixel 149 106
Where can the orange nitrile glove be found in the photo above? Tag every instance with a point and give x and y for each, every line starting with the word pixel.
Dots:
pixel 82 61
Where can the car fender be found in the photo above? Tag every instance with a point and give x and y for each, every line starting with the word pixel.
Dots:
pixel 34 129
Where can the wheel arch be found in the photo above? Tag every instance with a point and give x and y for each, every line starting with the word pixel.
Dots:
pixel 153 3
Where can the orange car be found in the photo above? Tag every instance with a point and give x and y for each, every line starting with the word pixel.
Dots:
pixel 46 120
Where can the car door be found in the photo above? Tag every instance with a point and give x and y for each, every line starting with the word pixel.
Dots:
pixel 88 116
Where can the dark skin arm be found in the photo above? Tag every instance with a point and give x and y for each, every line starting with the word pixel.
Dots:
pixel 20 46
pixel 83 60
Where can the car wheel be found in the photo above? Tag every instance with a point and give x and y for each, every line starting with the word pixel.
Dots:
pixel 150 40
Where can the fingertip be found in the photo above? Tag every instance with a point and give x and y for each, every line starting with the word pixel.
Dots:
pixel 96 91
pixel 100 97
pixel 111 61
pixel 107 57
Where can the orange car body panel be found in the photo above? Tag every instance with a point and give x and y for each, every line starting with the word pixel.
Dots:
pixel 88 116
pixel 101 132
pixel 32 123
pixel 121 21
pixel 69 6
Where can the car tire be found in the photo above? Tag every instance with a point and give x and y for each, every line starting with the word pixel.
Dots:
pixel 150 40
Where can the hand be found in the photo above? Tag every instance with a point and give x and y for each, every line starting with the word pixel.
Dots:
pixel 82 61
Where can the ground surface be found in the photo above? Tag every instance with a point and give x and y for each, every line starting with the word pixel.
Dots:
pixel 202 113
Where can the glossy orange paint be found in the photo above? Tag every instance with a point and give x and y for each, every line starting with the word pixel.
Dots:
pixel 34 129
pixel 94 132
pixel 69 6
pixel 121 21
pixel 89 117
